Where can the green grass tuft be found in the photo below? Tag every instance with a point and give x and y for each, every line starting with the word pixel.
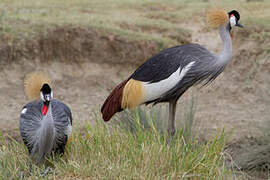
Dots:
pixel 103 151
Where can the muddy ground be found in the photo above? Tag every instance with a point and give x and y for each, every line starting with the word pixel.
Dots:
pixel 85 66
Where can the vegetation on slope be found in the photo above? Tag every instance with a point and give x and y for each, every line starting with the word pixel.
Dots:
pixel 27 27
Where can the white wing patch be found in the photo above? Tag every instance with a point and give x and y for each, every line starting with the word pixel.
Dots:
pixel 156 90
pixel 24 111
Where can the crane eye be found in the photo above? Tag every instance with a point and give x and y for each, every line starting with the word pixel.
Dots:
pixel 232 20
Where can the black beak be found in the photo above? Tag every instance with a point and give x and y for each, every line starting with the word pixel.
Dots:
pixel 239 25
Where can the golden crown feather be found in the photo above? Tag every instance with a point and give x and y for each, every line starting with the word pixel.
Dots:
pixel 217 17
pixel 34 82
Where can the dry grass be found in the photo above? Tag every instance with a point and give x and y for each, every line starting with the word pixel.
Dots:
pixel 133 19
pixel 100 152
pixel 25 25
pixel 28 18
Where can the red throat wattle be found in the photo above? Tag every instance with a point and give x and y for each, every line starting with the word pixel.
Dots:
pixel 45 109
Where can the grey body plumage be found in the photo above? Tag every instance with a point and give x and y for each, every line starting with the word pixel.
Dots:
pixel 207 66
pixel 168 74
pixel 203 67
pixel 44 134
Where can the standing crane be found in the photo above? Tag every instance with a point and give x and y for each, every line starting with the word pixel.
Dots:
pixel 45 123
pixel 168 74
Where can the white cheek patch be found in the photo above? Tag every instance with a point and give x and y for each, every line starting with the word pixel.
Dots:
pixel 41 96
pixel 232 21
pixel 24 111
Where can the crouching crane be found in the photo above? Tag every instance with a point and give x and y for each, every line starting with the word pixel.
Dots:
pixel 45 124
pixel 167 75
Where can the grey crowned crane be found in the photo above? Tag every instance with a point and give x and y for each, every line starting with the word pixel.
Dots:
pixel 168 74
pixel 45 123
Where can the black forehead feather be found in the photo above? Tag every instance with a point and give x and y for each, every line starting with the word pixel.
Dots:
pixel 46 89
pixel 235 13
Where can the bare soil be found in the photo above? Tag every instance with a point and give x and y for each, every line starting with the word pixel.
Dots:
pixel 85 65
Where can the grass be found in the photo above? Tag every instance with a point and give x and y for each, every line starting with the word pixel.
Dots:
pixel 131 19
pixel 27 18
pixel 161 24
pixel 156 117
pixel 132 146
pixel 100 151
pixel 28 27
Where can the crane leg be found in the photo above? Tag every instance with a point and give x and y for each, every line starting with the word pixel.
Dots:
pixel 171 122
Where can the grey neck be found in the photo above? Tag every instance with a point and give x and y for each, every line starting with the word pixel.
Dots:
pixel 48 121
pixel 226 53
pixel 47 134
pixel 48 115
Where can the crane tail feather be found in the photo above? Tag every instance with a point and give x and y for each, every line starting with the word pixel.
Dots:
pixel 113 102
